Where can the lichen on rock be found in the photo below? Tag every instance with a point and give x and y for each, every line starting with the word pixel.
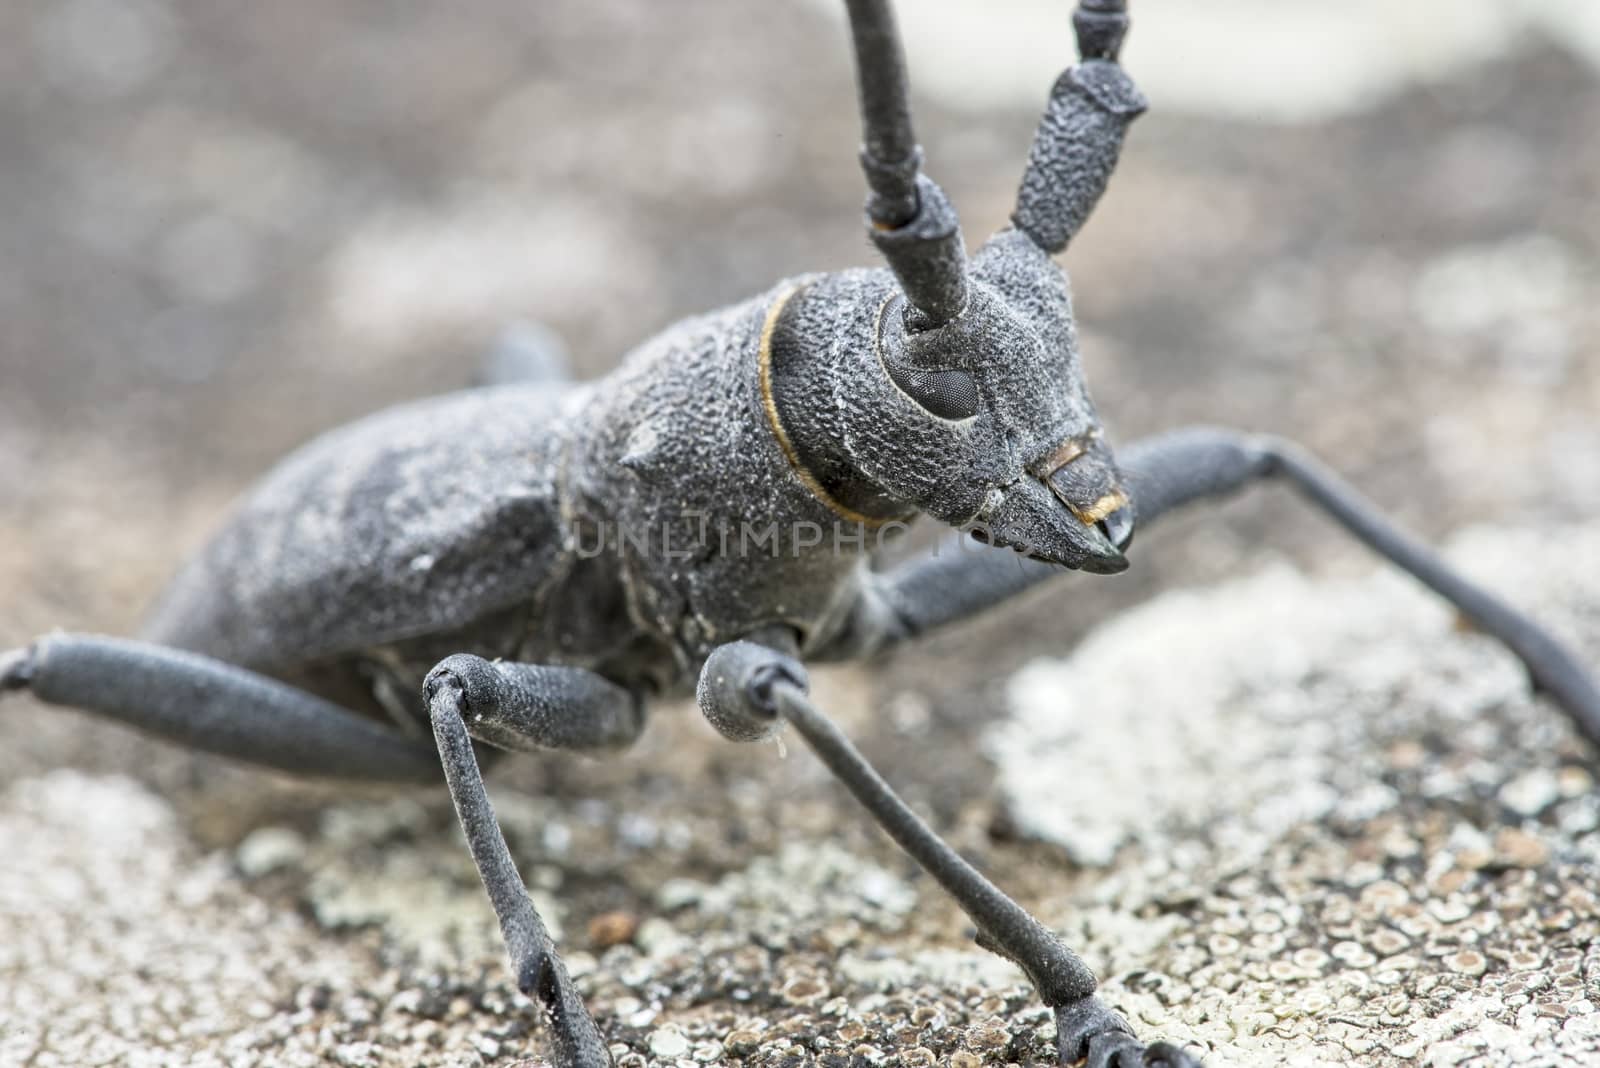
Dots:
pixel 1361 834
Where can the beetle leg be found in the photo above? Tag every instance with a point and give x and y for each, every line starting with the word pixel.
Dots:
pixel 205 704
pixel 747 690
pixel 219 708
pixel 1197 464
pixel 524 706
pixel 1205 462
pixel 538 706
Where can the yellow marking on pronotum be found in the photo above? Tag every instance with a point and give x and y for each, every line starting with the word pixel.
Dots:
pixel 770 404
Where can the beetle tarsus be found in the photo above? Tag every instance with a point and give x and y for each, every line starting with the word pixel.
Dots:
pixel 1089 1032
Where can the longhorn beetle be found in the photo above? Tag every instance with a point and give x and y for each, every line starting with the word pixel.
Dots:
pixel 523 566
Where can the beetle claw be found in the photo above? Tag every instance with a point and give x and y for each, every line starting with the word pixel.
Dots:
pixel 1090 1034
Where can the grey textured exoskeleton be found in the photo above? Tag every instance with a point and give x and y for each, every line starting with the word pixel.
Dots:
pixel 524 565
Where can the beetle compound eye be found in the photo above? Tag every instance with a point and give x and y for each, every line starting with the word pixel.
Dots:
pixel 947 392
pixel 951 394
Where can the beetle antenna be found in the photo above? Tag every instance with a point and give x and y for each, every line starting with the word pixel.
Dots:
pixel 909 218
pixel 1081 133
pixel 1100 26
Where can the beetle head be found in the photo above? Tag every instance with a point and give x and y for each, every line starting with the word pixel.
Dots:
pixel 1005 437
pixel 984 421
pixel 992 427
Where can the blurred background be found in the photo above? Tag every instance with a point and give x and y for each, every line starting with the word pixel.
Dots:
pixel 228 226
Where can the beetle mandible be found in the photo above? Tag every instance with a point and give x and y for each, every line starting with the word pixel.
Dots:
pixel 539 559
